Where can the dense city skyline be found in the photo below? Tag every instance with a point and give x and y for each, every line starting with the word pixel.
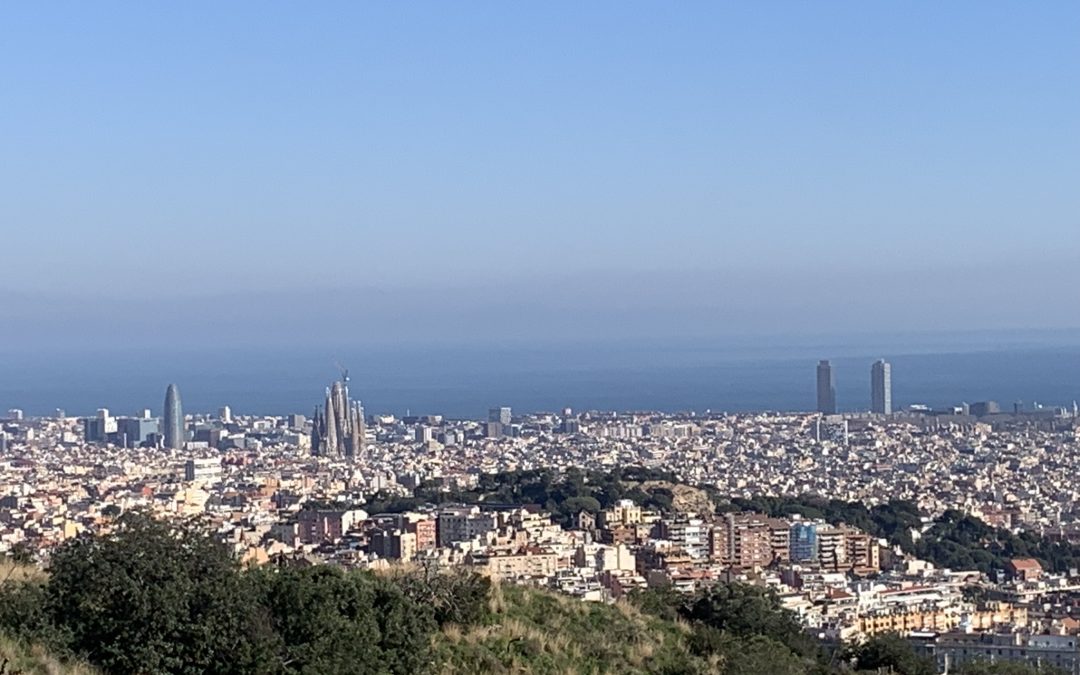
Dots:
pixel 862 523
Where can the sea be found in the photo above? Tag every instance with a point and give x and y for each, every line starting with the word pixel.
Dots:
pixel 463 381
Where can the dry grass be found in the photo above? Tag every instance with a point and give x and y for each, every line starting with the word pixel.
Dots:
pixel 18 659
pixel 10 571
pixel 640 652
pixel 496 597
pixel 626 609
pixel 398 568
pixel 537 631
pixel 452 633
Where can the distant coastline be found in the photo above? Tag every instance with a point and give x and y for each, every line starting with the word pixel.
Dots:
pixel 465 382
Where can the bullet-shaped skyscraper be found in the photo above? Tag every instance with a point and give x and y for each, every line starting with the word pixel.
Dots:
pixel 881 387
pixel 826 389
pixel 174 434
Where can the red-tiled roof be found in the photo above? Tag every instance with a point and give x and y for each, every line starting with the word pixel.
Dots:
pixel 1025 564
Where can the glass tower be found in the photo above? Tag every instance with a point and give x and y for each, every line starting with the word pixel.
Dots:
pixel 174 419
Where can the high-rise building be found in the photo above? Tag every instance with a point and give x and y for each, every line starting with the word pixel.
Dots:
pixel 338 429
pixel 501 415
pixel 131 432
pixel 881 387
pixel 569 423
pixel 174 433
pixel 803 542
pixel 984 408
pixel 746 541
pixel 826 389
pixel 97 429
pixel 423 433
pixel 832 549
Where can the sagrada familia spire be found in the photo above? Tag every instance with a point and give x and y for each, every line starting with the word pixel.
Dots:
pixel 338 429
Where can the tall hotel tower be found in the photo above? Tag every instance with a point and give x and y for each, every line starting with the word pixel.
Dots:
pixel 826 389
pixel 881 387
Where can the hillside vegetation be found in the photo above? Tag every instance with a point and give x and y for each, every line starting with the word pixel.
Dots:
pixel 536 631
pixel 21 659
pixel 17 571
pixel 165 597
pixel 155 597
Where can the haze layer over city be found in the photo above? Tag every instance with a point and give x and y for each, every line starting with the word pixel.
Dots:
pixel 730 338
pixel 627 189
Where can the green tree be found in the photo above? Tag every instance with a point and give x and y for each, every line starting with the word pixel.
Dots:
pixel 760 655
pixel 454 597
pixel 575 505
pixel 331 621
pixel 21 554
pixel 154 597
pixel 24 615
pixel 745 611
pixel 662 601
pixel 750 655
pixel 891 653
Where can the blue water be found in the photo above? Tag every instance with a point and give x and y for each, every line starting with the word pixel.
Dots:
pixel 465 382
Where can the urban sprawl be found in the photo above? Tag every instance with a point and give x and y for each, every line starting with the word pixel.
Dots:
pixel 306 490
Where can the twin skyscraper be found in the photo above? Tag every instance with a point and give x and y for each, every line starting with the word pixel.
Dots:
pixel 880 388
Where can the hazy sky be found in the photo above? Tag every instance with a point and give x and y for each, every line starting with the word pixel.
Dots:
pixel 265 171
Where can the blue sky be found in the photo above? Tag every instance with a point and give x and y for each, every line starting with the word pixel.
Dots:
pixel 539 169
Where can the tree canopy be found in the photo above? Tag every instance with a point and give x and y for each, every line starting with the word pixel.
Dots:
pixel 158 597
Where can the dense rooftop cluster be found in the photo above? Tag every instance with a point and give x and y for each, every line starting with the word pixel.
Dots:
pixel 520 499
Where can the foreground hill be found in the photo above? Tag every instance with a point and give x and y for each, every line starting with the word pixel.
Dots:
pixel 534 631
pixel 21 659
pixel 155 597
pixel 167 597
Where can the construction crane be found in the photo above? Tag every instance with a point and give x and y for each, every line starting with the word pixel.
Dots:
pixel 344 372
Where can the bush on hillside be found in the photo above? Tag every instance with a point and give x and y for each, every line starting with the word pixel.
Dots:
pixel 889 653
pixel 157 597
